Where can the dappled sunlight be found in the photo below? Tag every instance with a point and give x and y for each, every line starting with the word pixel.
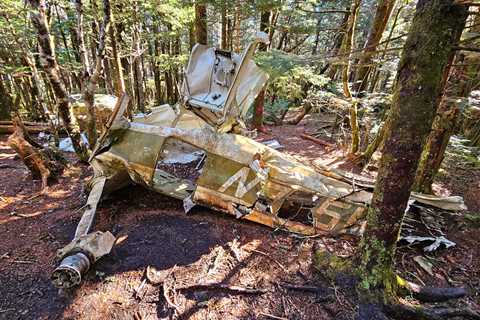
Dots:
pixel 6 156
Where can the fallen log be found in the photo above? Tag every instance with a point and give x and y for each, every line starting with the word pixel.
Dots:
pixel 317 140
pixel 25 123
pixel 9 129
pixel 43 163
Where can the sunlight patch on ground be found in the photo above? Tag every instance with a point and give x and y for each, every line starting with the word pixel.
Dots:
pixel 7 155
pixel 6 201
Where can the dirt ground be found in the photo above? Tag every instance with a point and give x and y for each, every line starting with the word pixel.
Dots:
pixel 202 247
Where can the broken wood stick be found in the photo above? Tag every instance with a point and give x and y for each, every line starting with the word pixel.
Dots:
pixel 317 140
pixel 271 316
pixel 222 287
pixel 312 289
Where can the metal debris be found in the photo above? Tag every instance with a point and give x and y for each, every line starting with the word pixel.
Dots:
pixel 434 243
pixel 195 152
pixel 424 263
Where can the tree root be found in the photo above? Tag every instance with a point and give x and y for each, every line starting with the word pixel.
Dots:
pixel 222 287
pixel 401 311
pixel 430 294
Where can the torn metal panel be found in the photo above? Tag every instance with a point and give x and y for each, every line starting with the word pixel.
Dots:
pixel 220 86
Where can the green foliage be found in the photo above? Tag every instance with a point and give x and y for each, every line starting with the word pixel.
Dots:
pixel 291 84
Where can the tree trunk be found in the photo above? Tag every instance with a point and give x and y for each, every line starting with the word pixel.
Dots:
pixel 460 85
pixel 50 66
pixel 337 44
pixel 5 99
pixel 201 23
pixel 428 52
pixel 90 77
pixel 317 34
pixel 384 9
pixel 237 20
pixel 345 52
pixel 118 81
pixel 137 64
pixel 260 100
pixel 376 73
pixel 223 40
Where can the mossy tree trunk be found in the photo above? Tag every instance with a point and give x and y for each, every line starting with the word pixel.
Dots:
pixel 443 127
pixel 5 99
pixel 460 84
pixel 382 14
pixel 50 66
pixel 428 52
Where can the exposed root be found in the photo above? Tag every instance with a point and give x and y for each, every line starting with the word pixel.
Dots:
pixel 401 311
pixel 431 294
pixel 222 287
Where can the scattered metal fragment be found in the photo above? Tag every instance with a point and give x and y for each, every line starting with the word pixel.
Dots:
pixel 273 144
pixel 434 242
pixel 424 263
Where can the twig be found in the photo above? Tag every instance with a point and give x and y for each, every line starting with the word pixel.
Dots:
pixel 23 261
pixel 325 292
pixel 139 289
pixel 271 316
pixel 317 141
pixel 222 287
pixel 7 310
pixel 266 255
pixel 166 291
pixel 473 49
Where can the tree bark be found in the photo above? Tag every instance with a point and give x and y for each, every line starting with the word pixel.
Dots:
pixel 118 81
pixel 337 44
pixel 446 122
pixel 137 63
pixel 90 77
pixel 5 99
pixel 201 23
pixel 43 163
pixel 376 73
pixel 50 66
pixel 428 52
pixel 259 103
pixel 224 40
pixel 384 9
pixel 345 51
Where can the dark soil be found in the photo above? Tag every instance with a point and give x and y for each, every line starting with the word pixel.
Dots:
pixel 202 247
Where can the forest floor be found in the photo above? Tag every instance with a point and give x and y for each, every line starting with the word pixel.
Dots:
pixel 154 231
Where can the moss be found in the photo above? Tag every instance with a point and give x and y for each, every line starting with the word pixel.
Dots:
pixel 330 265
pixel 378 281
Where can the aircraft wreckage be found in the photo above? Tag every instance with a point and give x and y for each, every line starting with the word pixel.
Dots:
pixel 222 168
